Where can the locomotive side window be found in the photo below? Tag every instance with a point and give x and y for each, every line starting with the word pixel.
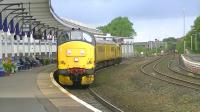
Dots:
pixel 63 38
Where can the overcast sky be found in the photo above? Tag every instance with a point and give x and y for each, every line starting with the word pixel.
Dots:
pixel 151 18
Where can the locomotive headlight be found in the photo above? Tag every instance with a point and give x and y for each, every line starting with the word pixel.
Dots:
pixel 69 52
pixel 82 52
pixel 75 59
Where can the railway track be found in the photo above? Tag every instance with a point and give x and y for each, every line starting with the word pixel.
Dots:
pixel 177 68
pixel 159 69
pixel 85 95
pixel 91 97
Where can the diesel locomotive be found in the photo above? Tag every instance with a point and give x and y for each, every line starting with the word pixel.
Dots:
pixel 79 55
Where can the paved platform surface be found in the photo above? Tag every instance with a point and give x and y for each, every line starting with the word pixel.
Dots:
pixel 194 57
pixel 62 101
pixel 32 91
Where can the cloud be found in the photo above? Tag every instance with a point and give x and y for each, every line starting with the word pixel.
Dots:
pixel 151 18
pixel 99 11
pixel 161 28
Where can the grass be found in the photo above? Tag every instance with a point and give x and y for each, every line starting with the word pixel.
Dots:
pixel 129 89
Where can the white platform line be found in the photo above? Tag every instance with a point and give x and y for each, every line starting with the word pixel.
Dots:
pixel 73 96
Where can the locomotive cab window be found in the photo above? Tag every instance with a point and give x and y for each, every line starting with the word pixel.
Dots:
pixel 63 38
pixel 75 36
pixel 82 36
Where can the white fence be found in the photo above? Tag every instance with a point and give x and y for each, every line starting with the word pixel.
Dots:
pixel 127 50
pixel 27 46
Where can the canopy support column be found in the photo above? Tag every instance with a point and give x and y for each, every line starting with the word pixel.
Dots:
pixel 50 49
pixel 34 47
pixel 23 46
pixel 40 51
pixel 45 42
pixel 1 49
pixel 12 46
pixel 6 44
pixel 29 46
pixel 18 43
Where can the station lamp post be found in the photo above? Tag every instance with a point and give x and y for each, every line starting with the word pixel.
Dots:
pixel 50 41
pixel 198 36
pixel 193 40
pixel 184 46
pixel 34 25
pixel 196 43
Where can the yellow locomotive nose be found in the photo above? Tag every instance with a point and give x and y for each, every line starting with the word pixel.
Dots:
pixel 76 62
pixel 76 56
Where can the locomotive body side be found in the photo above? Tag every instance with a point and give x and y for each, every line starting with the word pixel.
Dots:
pixel 107 53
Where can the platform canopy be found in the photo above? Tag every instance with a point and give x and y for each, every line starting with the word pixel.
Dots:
pixel 37 14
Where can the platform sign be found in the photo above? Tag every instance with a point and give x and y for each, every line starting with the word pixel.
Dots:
pixel 26 28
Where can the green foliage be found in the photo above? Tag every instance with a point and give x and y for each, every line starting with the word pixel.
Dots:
pixel 146 51
pixel 197 24
pixel 139 49
pixel 8 66
pixel 171 43
pixel 194 33
pixel 179 46
pixel 120 26
pixel 46 61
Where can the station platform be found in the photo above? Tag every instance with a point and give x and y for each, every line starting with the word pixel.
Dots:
pixel 33 91
pixel 193 57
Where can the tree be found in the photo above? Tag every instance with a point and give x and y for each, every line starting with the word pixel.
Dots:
pixel 171 43
pixel 120 26
pixel 179 46
pixel 194 33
